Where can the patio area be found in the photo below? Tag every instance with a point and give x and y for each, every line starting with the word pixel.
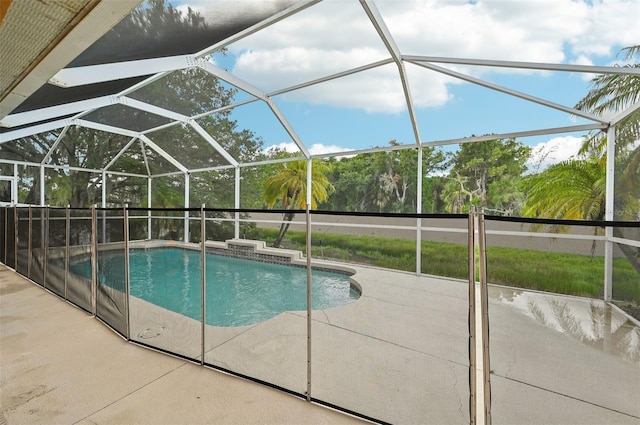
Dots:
pixel 60 366
pixel 398 354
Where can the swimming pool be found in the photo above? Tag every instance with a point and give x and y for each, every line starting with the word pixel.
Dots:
pixel 238 291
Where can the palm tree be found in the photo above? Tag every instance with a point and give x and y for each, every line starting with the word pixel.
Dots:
pixel 576 189
pixel 611 93
pixel 289 187
pixel 573 189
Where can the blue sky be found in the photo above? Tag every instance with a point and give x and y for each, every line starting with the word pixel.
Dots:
pixel 368 109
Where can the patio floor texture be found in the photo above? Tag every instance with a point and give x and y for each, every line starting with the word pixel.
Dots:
pixel 398 354
pixel 61 366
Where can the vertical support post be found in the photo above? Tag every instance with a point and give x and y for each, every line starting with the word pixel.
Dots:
pixel 66 249
pixel 127 282
pixel 44 214
pixel 5 242
pixel 15 242
pixel 45 246
pixel 203 281
pixel 484 306
pixel 419 211
pixel 236 203
pixel 472 318
pixel 14 185
pixel 149 210
pixel 29 247
pixel 187 181
pixel 308 231
pixel 609 213
pixel 103 203
pixel 104 189
pixel 42 186
pixel 94 259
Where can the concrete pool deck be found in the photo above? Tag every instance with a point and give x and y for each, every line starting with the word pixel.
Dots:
pixel 397 354
pixel 59 365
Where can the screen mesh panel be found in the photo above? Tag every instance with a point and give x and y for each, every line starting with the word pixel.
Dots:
pixel 22 237
pixel 399 351
pixel 38 237
pixel 3 234
pixel 562 350
pixel 56 251
pixel 10 242
pixel 165 287
pixel 111 286
pixel 254 303
pixel 79 277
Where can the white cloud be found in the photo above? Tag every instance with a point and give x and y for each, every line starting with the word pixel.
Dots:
pixel 336 35
pixel 584 60
pixel 315 149
pixel 553 151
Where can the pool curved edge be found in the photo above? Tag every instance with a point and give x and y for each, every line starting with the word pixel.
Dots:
pixel 257 251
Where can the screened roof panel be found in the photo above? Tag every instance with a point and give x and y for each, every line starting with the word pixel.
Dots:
pixel 320 77
pixel 126 117
pixel 254 121
pixel 156 30
pixel 86 147
pixel 188 147
pixel 51 95
pixel 142 160
pixel 475 29
pixel 357 95
pixel 189 92
pixel 156 163
pixel 561 87
pixel 132 160
pixel 29 149
pixel 303 47
pixel 490 111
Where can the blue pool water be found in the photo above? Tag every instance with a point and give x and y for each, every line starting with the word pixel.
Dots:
pixel 238 291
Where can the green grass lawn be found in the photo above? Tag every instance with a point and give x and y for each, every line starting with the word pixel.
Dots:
pixel 545 271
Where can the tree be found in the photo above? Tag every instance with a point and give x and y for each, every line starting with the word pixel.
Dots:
pixel 288 187
pixel 486 174
pixel 609 94
pixel 384 181
pixel 615 92
pixel 576 189
pixel 573 189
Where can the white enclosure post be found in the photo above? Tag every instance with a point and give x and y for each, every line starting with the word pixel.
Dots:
pixel 94 261
pixel 104 205
pixel 609 213
pixel 149 180
pixel 484 312
pixel 308 214
pixel 127 289
pixel 203 282
pixel 42 188
pixel 14 191
pixel 419 211
pixel 29 239
pixel 187 180
pixel 236 203
pixel 104 189
pixel 472 317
